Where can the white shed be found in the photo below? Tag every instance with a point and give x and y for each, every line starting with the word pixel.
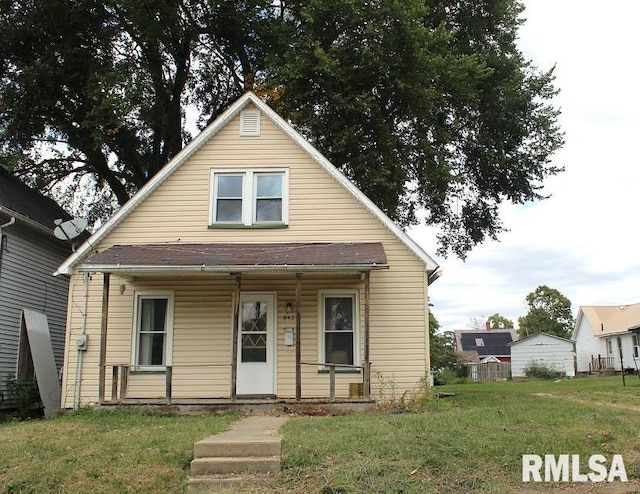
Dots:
pixel 545 349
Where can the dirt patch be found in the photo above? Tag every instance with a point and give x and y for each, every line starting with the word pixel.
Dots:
pixel 631 408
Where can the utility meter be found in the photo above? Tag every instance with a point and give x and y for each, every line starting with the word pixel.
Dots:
pixel 80 341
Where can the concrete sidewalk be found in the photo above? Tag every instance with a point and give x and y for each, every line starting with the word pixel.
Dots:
pixel 249 448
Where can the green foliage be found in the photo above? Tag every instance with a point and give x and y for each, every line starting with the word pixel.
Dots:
pixel 540 371
pixel 26 396
pixel 449 376
pixel 426 106
pixel 496 321
pixel 441 351
pixel 549 312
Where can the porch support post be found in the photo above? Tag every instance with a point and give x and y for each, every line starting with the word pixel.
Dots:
pixel 298 352
pixel 367 368
pixel 234 344
pixel 106 277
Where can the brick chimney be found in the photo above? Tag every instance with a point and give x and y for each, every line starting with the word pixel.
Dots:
pixel 488 325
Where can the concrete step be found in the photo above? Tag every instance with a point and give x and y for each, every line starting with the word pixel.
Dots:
pixel 231 484
pixel 214 447
pixel 234 465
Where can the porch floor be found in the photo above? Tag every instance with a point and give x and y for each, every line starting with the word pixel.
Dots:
pixel 306 406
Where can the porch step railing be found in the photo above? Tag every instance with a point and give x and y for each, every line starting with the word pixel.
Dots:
pixel 600 363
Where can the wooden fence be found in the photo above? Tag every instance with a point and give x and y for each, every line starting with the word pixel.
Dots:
pixel 490 371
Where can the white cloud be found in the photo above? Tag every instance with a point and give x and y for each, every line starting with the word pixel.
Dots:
pixel 581 241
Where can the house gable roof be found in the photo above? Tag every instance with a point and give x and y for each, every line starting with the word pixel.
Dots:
pixel 541 334
pixel 28 205
pixel 248 98
pixel 485 343
pixel 606 320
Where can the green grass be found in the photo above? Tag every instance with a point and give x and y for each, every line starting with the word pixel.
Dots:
pixel 471 442
pixel 100 451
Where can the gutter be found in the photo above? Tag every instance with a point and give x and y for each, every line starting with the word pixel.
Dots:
pixel 150 269
pixel 26 220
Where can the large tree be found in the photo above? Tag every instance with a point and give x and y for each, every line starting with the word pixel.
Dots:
pixel 441 352
pixel 549 312
pixel 428 106
pixel 496 321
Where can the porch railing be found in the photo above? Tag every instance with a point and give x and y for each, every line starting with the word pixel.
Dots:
pixel 600 363
pixel 120 379
pixel 365 371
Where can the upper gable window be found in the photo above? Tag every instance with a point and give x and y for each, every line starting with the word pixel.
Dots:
pixel 250 123
pixel 249 198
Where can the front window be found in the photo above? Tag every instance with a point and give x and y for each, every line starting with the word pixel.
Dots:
pixel 153 326
pixel 339 328
pixel 249 198
pixel 228 205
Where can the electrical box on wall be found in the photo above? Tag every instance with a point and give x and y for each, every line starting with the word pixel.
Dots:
pixel 80 341
pixel 288 336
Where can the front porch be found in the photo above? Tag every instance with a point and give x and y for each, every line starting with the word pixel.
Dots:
pixel 359 391
pixel 223 334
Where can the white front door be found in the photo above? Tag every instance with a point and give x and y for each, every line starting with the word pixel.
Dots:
pixel 256 343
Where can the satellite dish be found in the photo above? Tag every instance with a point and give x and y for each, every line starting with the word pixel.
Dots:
pixel 68 230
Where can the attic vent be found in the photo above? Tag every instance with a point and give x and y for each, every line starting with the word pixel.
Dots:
pixel 250 123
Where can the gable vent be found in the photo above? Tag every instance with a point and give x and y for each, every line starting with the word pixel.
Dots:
pixel 250 123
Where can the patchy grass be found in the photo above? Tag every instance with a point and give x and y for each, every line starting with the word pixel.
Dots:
pixel 102 451
pixel 472 442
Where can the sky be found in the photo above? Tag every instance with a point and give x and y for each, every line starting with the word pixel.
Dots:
pixel 583 241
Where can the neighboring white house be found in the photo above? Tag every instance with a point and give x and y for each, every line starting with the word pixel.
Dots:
pixel 602 337
pixel 544 349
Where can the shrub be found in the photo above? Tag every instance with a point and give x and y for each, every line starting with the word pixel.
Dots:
pixel 540 371
pixel 26 396
pixel 450 376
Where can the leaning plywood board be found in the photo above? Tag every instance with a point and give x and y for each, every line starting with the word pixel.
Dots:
pixel 34 332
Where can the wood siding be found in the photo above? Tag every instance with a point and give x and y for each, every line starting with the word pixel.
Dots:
pixel 27 261
pixel 320 210
pixel 545 350
pixel 587 345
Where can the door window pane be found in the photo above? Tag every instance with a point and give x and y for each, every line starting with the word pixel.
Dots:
pixel 253 338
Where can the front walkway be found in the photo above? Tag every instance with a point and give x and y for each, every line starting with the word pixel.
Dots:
pixel 250 448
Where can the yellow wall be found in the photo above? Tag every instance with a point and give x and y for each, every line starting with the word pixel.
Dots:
pixel 320 210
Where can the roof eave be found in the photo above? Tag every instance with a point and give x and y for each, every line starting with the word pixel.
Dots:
pixel 142 269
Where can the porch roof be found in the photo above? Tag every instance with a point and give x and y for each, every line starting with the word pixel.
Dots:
pixel 226 258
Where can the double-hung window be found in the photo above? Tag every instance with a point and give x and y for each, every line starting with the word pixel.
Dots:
pixel 249 198
pixel 153 330
pixel 339 328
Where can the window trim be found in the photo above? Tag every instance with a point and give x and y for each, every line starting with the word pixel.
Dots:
pixel 355 295
pixel 139 295
pixel 249 198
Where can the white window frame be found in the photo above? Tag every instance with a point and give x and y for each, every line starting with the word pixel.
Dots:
pixel 249 198
pixel 135 340
pixel 355 295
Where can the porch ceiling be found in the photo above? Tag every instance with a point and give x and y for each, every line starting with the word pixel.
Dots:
pixel 227 258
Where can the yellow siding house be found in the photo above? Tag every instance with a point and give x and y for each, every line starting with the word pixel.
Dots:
pixel 248 268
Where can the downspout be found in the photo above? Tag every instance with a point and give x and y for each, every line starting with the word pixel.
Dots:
pixel 8 223
pixel 83 331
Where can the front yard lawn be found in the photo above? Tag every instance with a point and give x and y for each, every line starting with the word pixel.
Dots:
pixel 471 442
